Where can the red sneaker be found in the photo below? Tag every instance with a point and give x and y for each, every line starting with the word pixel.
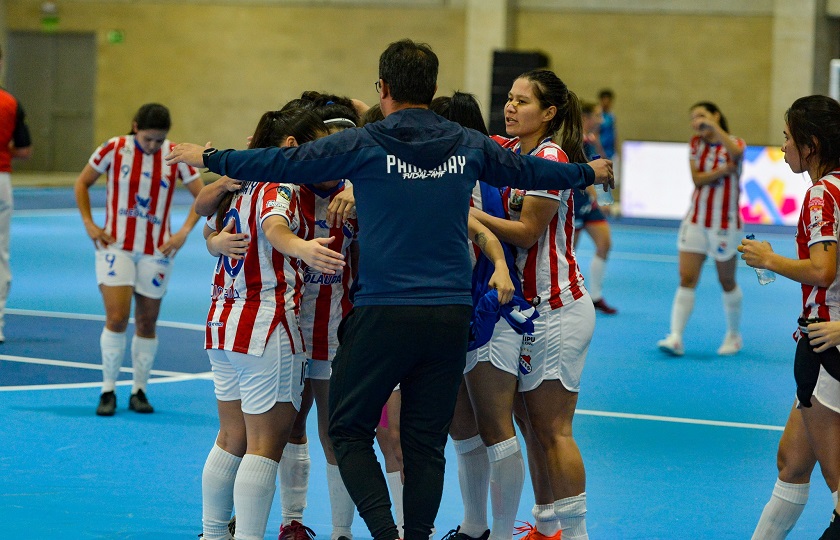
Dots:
pixel 530 532
pixel 295 531
pixel 604 308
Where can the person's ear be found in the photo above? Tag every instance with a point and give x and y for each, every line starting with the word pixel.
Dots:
pixel 549 113
pixel 290 142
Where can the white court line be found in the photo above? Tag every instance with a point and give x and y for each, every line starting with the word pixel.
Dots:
pixel 678 420
pixel 186 377
pixel 85 317
pixel 81 365
pixel 170 376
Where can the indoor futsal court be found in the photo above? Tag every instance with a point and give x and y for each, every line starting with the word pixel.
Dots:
pixel 674 447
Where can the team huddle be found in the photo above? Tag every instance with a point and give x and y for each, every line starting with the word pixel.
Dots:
pixel 343 226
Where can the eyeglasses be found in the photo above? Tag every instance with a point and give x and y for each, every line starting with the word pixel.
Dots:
pixel 378 87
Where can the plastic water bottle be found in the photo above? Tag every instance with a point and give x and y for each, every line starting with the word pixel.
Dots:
pixel 604 198
pixel 765 276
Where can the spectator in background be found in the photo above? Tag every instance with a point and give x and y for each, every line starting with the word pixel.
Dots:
pixel 607 134
pixel 15 143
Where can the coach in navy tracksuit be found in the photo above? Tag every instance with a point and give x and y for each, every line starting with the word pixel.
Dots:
pixel 412 174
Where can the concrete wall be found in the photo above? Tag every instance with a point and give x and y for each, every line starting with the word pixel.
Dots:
pixel 220 65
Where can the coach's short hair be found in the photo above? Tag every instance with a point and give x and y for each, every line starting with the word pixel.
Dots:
pixel 410 69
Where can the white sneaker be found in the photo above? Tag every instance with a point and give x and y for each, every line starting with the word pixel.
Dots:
pixel 672 345
pixel 732 343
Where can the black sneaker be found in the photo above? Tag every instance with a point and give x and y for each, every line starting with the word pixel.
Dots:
pixel 455 534
pixel 139 403
pixel 107 404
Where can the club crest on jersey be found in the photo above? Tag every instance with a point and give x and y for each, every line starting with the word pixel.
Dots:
pixel 348 229
pixel 517 196
pixel 815 203
pixel 525 364
pixel 285 192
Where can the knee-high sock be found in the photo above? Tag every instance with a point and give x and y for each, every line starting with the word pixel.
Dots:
pixel 595 279
pixel 217 492
pixel 571 512
pixel 732 301
pixel 253 493
pixel 143 352
pixel 681 310
pixel 395 487
pixel 545 519
pixel 113 353
pixel 340 503
pixel 507 476
pixel 782 511
pixel 294 481
pixel 474 480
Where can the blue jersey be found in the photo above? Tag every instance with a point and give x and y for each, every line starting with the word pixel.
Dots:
pixel 412 175
pixel 607 135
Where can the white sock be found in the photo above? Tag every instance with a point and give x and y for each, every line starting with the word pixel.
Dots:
pixel 834 497
pixel 571 512
pixel 143 352
pixel 545 519
pixel 595 279
pixel 782 511
pixel 395 486
pixel 681 310
pixel 113 352
pixel 341 504
pixel 732 309
pixel 294 481
pixel 507 476
pixel 217 492
pixel 474 480
pixel 253 493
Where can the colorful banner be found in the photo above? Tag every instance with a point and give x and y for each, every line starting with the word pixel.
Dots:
pixel 656 183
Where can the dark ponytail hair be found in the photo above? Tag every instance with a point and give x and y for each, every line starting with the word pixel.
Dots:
pixel 814 123
pixel 151 116
pixel 712 108
pixel 567 125
pixel 272 130
pixel 461 108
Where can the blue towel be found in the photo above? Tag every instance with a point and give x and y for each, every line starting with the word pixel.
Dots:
pixel 486 308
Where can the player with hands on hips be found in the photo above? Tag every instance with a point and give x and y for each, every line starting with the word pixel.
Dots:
pixel 134 249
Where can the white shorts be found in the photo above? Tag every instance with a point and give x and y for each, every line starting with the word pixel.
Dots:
pixel 148 274
pixel 260 381
pixel 827 390
pixel 557 348
pixel 502 351
pixel 319 370
pixel 720 244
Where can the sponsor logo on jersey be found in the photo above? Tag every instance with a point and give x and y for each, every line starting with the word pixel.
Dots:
pixel 215 324
pixel 276 204
pixel 722 247
pixel 322 224
pixel 220 292
pixel 141 214
pixel 164 182
pixel 142 202
pixel 313 277
pixel 348 229
pixel 453 165
pixel 815 203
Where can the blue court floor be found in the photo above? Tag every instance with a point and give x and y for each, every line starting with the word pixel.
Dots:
pixel 675 448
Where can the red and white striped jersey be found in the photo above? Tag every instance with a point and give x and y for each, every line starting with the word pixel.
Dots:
pixel 549 269
pixel 819 221
pixel 253 296
pixel 326 297
pixel 139 192
pixel 715 206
